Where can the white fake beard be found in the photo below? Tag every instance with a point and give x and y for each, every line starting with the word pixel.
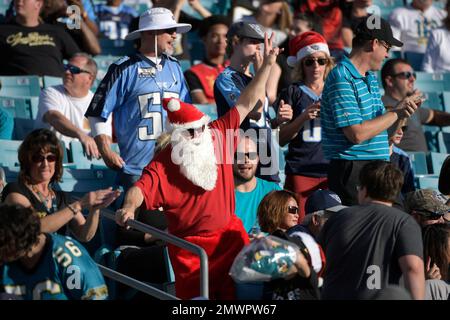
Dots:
pixel 196 158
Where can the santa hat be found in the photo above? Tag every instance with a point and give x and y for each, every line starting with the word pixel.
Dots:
pixel 184 115
pixel 305 44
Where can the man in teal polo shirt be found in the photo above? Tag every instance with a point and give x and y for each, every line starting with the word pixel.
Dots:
pixel 353 118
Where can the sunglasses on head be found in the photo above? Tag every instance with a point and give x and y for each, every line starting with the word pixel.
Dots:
pixel 310 61
pixel 293 209
pixel 249 155
pixel 405 75
pixel 74 69
pixel 38 158
pixel 197 131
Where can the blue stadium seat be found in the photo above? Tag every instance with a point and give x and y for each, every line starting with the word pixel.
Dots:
pixel 78 156
pixel 446 100
pixel 430 82
pixel 22 127
pixel 444 141
pixel 436 161
pixel 208 109
pixel 428 182
pixel 433 100
pixel 185 64
pixel 384 7
pixel 9 153
pixel 430 133
pixel 249 290
pixel 11 173
pixel 116 47
pixel 18 107
pixel 419 162
pixel 49 81
pixel 19 86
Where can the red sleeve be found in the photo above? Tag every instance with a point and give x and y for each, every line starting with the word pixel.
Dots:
pixel 225 133
pixel 150 186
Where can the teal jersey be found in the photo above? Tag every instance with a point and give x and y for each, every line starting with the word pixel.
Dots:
pixel 65 271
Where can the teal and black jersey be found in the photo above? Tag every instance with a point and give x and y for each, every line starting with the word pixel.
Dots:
pixel 65 271
pixel 133 91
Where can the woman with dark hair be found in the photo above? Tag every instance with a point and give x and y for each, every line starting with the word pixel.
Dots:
pixel 436 251
pixel 436 57
pixel 306 166
pixel 444 179
pixel 40 158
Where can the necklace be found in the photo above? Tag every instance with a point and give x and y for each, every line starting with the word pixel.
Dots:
pixel 46 200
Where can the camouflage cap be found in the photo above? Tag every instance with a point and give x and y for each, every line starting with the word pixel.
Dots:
pixel 427 202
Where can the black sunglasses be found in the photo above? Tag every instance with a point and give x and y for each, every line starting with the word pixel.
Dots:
pixel 170 31
pixel 74 69
pixel 38 158
pixel 293 209
pixel 249 155
pixel 310 61
pixel 430 215
pixel 405 75
pixel 192 132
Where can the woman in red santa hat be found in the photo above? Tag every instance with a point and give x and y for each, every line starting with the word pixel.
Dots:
pixel 192 179
pixel 306 167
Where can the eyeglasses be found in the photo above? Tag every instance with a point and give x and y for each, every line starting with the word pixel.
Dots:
pixel 38 158
pixel 293 209
pixel 193 132
pixel 310 61
pixel 385 45
pixel 249 155
pixel 405 75
pixel 74 69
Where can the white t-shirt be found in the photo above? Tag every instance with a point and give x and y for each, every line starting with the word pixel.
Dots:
pixel 56 98
pixel 412 26
pixel 437 57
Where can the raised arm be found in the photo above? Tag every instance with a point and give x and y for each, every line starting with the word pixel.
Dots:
pixel 250 96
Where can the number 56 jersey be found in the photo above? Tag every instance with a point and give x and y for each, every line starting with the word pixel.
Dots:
pixel 65 271
pixel 133 90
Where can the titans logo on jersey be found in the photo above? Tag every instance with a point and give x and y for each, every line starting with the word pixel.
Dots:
pixel 65 271
pixel 133 90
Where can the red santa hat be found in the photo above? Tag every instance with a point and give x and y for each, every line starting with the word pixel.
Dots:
pixel 305 44
pixel 184 115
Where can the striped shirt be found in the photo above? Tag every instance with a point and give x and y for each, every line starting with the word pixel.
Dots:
pixel 349 98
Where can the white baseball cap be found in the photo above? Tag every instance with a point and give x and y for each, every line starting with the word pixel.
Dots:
pixel 157 19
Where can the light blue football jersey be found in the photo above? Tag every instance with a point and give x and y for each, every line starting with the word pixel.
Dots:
pixel 65 271
pixel 133 90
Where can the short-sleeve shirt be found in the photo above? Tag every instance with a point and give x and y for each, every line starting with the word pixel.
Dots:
pixel 349 98
pixel 65 271
pixel 133 90
pixel 190 209
pixel 114 22
pixel 363 242
pixel 36 50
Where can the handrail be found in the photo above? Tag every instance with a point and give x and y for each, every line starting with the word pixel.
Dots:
pixel 136 284
pixel 204 277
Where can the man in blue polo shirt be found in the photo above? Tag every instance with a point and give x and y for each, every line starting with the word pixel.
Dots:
pixel 353 118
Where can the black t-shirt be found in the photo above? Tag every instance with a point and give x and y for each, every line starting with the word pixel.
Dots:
pixel 20 188
pixel 362 246
pixel 34 50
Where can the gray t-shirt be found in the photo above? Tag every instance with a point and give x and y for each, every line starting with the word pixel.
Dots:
pixel 362 246
pixel 414 137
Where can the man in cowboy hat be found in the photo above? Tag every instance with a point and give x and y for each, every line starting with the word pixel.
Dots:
pixel 192 179
pixel 133 90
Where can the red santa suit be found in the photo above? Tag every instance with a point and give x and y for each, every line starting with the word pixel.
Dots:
pixel 205 218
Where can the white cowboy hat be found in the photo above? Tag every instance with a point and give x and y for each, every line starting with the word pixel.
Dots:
pixel 157 19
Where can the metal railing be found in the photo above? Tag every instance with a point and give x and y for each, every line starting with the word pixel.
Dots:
pixel 138 285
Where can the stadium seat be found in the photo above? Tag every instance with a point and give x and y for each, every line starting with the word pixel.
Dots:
pixel 428 182
pixel 19 86
pixel 419 162
pixel 208 109
pixel 22 127
pixel 430 82
pixel 16 107
pixel 444 141
pixel 11 173
pixel 433 100
pixel 446 100
pixel 185 64
pixel 116 47
pixel 79 158
pixel 436 161
pixel 430 133
pixel 9 153
pixel 49 81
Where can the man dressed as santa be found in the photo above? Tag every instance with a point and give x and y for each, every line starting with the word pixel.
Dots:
pixel 192 180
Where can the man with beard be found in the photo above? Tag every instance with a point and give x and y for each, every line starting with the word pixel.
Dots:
pixel 248 189
pixel 194 186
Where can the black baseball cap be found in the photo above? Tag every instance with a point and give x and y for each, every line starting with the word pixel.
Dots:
pixel 246 30
pixel 207 23
pixel 375 27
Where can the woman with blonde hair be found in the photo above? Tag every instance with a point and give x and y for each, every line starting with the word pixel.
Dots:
pixel 306 166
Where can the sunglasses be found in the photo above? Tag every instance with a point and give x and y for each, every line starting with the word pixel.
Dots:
pixel 38 158
pixel 387 46
pixel 170 31
pixel 293 209
pixel 310 61
pixel 249 155
pixel 405 75
pixel 74 69
pixel 193 132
